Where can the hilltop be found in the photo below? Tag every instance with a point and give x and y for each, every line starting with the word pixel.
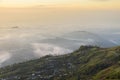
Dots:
pixel 86 63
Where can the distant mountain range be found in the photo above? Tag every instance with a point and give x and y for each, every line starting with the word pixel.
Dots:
pixel 74 39
pixel 86 63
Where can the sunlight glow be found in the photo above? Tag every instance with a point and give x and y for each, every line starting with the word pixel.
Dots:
pixel 111 4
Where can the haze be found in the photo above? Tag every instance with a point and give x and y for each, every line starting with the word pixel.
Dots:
pixel 31 29
pixel 62 12
pixel 85 3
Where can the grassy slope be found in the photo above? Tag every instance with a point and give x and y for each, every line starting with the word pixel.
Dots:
pixel 86 63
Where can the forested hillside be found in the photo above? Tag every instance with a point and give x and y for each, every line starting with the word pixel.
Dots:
pixel 86 63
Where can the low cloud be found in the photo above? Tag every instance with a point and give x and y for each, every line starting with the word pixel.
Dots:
pixel 4 56
pixel 113 41
pixel 43 49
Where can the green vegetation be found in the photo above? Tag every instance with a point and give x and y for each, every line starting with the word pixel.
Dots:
pixel 86 63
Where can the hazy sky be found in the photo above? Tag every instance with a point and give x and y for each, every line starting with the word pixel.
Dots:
pixel 80 3
pixel 50 12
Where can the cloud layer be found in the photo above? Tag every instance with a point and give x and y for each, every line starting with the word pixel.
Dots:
pixel 42 49
pixel 4 56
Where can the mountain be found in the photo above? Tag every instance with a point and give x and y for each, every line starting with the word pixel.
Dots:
pixel 89 38
pixel 114 37
pixel 62 42
pixel 86 63
pixel 74 39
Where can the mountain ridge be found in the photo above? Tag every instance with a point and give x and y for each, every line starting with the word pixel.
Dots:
pixel 86 63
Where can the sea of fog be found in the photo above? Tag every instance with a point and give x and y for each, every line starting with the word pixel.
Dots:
pixel 18 44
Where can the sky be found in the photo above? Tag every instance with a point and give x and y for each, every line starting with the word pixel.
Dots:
pixel 61 12
pixel 79 3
